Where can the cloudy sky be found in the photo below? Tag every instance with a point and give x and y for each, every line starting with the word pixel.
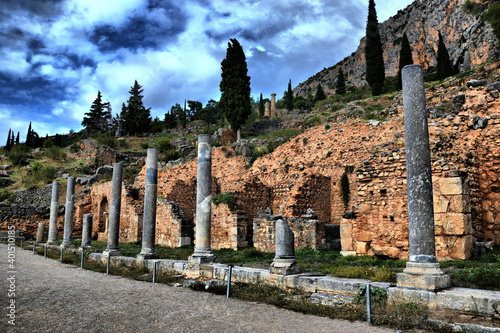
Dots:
pixel 56 54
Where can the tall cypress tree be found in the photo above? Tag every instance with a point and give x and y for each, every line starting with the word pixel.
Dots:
pixel 235 102
pixel 444 68
pixel 289 97
pixel 375 70
pixel 12 139
pixel 340 86
pixel 17 138
pixel 7 144
pixel 261 106
pixel 405 57
pixel 29 137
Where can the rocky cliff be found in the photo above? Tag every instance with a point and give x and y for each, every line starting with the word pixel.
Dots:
pixel 470 42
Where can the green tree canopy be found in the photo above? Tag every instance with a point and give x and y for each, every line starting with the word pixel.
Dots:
pixel 8 145
pixel 320 93
pixel 210 113
pixel 375 70
pixel 261 107
pixel 95 119
pixel 235 102
pixel 136 118
pixel 340 86
pixel 405 57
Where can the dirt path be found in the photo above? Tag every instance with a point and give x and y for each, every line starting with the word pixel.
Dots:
pixel 53 297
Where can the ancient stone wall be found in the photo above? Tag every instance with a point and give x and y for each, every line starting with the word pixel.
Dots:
pixel 306 230
pixel 229 229
pixel 172 229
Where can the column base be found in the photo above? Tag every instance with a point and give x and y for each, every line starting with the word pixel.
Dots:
pixel 145 255
pixel 68 245
pixel 198 259
pixel 85 247
pixel 52 242
pixel 427 276
pixel 284 267
pixel 112 253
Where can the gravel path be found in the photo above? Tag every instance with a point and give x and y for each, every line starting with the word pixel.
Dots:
pixel 53 297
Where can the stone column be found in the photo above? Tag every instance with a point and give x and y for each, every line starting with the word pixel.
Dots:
pixel 39 233
pixel 68 217
pixel 422 270
pixel 273 105
pixel 114 212
pixel 284 261
pixel 149 219
pixel 202 251
pixel 267 108
pixel 87 232
pixel 54 208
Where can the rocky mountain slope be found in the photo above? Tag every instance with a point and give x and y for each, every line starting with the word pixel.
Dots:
pixel 469 40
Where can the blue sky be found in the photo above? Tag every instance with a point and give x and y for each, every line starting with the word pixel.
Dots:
pixel 56 54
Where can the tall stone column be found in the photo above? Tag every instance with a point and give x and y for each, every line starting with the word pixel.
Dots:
pixel 68 216
pixel 267 108
pixel 422 270
pixel 87 232
pixel 202 251
pixel 284 261
pixel 149 219
pixel 273 105
pixel 114 212
pixel 54 208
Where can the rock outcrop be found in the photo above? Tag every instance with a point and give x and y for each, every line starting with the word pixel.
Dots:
pixel 469 40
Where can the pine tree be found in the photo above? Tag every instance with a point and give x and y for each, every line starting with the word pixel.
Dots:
pixel 375 70
pixel 320 93
pixel 136 118
pixel 7 144
pixel 289 97
pixel 261 107
pixel 12 139
pixel 405 57
pixel 93 122
pixel 235 86
pixel 17 138
pixel 340 86
pixel 444 68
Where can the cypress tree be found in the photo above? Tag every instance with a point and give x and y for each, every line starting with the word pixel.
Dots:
pixel 289 97
pixel 261 106
pixel 17 138
pixel 29 137
pixel 405 58
pixel 443 68
pixel 320 93
pixel 375 70
pixel 340 86
pixel 12 139
pixel 7 144
pixel 235 102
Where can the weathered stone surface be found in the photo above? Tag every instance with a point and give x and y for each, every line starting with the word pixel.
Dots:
pixel 87 232
pixel 112 249
pixel 40 232
pixel 476 83
pixel 54 209
pixel 68 217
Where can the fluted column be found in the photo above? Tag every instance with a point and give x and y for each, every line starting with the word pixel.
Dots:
pixel 54 209
pixel 114 212
pixel 68 217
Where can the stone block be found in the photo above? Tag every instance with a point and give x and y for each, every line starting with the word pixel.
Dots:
pixel 460 204
pixel 362 247
pixel 461 247
pixel 453 223
pixel 406 295
pixel 308 283
pixel 347 244
pixel 467 300
pixel 451 186
pixel 426 282
pixel 346 231
pixel 440 204
pixel 364 236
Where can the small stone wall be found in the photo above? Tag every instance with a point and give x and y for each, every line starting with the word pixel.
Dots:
pixel 25 217
pixel 230 230
pixel 172 229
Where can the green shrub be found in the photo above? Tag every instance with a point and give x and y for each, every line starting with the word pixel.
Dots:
pixel 225 198
pixel 55 153
pixel 378 296
pixel 486 277
pixel 168 151
pixel 7 196
pixel 106 140
pixel 19 155
pixel 40 174
pixel 74 148
pixel 144 145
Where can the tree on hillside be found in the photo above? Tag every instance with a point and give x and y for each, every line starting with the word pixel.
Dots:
pixel 289 97
pixel 194 110
pixel 375 70
pixel 136 118
pixel 29 137
pixel 210 113
pixel 94 119
pixel 235 86
pixel 17 138
pixel 261 107
pixel 405 57
pixel 340 86
pixel 444 68
pixel 170 120
pixel 320 93
pixel 7 144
